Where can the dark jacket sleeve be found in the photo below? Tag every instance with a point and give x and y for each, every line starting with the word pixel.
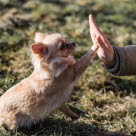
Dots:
pixel 125 61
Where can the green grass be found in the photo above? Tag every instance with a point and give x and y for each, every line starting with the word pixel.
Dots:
pixel 106 104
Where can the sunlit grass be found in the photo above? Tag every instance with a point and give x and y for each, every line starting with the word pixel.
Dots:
pixel 105 102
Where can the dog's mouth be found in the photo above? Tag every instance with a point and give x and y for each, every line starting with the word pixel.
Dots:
pixel 71 47
pixel 66 49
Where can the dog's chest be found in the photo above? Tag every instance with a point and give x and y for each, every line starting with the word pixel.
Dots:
pixel 59 98
pixel 54 101
pixel 57 93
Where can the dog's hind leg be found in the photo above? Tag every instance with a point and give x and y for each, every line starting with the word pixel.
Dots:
pixel 68 112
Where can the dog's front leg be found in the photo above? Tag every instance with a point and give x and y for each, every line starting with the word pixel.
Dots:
pixel 68 112
pixel 81 65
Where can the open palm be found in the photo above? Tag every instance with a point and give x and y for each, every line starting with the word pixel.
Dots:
pixel 105 51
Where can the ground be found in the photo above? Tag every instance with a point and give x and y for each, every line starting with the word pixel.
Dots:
pixel 106 103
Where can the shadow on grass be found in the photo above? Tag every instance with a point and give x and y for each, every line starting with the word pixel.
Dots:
pixel 124 84
pixel 124 87
pixel 61 127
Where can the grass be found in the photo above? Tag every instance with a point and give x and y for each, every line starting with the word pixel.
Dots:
pixel 106 104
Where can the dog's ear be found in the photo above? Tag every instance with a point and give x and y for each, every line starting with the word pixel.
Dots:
pixel 39 37
pixel 39 48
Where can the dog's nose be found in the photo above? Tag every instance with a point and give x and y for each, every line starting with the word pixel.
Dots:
pixel 71 44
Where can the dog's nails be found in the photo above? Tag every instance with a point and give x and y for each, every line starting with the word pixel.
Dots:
pixel 95 47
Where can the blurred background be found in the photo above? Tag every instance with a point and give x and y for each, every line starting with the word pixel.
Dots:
pixel 106 104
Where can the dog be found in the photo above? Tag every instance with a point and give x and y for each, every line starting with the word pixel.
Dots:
pixel 50 84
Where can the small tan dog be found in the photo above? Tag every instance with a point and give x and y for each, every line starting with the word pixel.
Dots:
pixel 48 87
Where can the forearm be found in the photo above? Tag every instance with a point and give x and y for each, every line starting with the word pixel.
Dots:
pixel 125 61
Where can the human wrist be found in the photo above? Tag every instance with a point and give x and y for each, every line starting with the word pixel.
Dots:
pixel 111 61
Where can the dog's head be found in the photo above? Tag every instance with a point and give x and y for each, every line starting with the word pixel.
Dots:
pixel 52 46
pixel 53 49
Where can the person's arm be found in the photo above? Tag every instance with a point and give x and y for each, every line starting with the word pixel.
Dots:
pixel 117 60
pixel 125 61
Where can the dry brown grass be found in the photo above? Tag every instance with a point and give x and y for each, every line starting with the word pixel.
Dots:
pixel 106 104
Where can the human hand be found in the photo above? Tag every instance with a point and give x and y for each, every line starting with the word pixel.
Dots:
pixel 105 50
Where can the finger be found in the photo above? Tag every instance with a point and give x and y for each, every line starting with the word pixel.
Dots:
pixel 105 40
pixel 95 40
pixel 100 42
pixel 95 47
pixel 93 37
pixel 95 31
pixel 93 26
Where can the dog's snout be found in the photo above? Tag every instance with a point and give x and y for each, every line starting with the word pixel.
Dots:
pixel 71 44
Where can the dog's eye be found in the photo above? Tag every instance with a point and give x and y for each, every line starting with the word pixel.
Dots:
pixel 63 46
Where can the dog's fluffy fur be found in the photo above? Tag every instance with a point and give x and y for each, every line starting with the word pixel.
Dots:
pixel 48 87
